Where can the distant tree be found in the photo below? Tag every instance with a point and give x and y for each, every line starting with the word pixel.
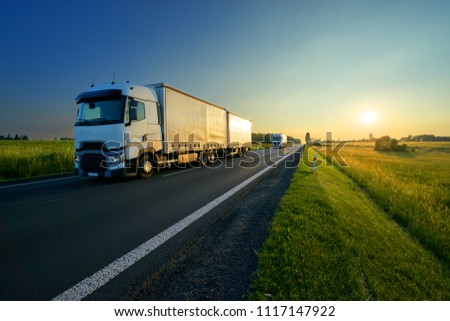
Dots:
pixel 382 143
pixel 17 137
pixel 258 137
pixel 393 144
pixel 294 140
pixel 25 137
pixel 388 144
pixel 308 138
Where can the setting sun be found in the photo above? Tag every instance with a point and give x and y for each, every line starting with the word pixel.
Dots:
pixel 368 117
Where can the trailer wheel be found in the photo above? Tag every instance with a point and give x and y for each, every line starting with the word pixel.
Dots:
pixel 212 156
pixel 146 166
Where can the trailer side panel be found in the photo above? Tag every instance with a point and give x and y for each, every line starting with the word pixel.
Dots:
pixel 189 123
pixel 239 131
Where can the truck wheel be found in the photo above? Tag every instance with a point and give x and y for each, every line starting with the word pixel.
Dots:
pixel 212 156
pixel 146 167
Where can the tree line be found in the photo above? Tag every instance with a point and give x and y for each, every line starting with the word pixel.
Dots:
pixel 25 137
pixel 16 137
pixel 425 138
pixel 267 138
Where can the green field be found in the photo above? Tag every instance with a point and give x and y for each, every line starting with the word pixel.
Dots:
pixel 375 230
pixel 23 159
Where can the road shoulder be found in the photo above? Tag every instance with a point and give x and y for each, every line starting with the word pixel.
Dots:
pixel 220 264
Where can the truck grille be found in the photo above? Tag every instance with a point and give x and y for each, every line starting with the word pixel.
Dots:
pixel 92 163
pixel 92 145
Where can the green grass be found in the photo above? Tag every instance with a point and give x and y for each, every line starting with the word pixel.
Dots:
pixel 414 188
pixel 24 159
pixel 330 240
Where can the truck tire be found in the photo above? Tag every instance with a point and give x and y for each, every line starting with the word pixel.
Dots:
pixel 146 166
pixel 212 156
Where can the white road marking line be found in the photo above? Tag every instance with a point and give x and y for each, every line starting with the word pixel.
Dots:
pixel 38 182
pixel 100 278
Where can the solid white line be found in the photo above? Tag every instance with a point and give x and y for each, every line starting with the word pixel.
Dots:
pixel 38 182
pixel 100 278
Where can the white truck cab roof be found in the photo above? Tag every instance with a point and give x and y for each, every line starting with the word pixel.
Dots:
pixel 119 89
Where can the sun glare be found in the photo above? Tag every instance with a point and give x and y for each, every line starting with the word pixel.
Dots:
pixel 369 117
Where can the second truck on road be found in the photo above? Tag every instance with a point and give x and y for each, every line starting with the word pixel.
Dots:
pixel 127 130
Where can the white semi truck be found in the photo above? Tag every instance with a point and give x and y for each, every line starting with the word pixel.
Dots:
pixel 279 140
pixel 128 130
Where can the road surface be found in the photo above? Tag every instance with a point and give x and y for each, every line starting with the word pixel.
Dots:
pixel 67 238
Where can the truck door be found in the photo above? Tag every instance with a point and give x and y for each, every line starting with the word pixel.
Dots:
pixel 138 128
pixel 153 126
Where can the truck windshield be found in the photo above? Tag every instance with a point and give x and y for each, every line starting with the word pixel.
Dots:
pixel 101 111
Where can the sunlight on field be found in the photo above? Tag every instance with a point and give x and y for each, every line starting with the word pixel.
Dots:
pixel 22 159
pixel 413 187
pixel 378 229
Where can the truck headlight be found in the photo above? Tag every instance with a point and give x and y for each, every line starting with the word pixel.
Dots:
pixel 114 160
pixel 77 161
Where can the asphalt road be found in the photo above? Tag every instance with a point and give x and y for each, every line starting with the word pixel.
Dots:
pixel 55 234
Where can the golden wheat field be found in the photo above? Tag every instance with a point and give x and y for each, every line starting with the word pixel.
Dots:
pixel 413 187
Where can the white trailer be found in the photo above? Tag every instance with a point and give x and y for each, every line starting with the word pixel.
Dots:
pixel 239 134
pixel 126 130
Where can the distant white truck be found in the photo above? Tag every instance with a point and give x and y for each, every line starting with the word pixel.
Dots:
pixel 127 130
pixel 279 140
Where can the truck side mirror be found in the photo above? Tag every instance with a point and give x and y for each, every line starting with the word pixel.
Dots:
pixel 133 113
pixel 133 103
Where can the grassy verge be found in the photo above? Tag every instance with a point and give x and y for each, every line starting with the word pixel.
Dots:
pixel 23 159
pixel 330 241
pixel 412 187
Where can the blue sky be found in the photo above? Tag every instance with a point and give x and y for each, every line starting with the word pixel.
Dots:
pixel 289 66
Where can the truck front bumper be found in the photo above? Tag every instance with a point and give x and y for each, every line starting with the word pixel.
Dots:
pixel 122 172
pixel 95 165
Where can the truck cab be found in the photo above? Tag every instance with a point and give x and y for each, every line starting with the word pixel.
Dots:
pixel 279 140
pixel 118 126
